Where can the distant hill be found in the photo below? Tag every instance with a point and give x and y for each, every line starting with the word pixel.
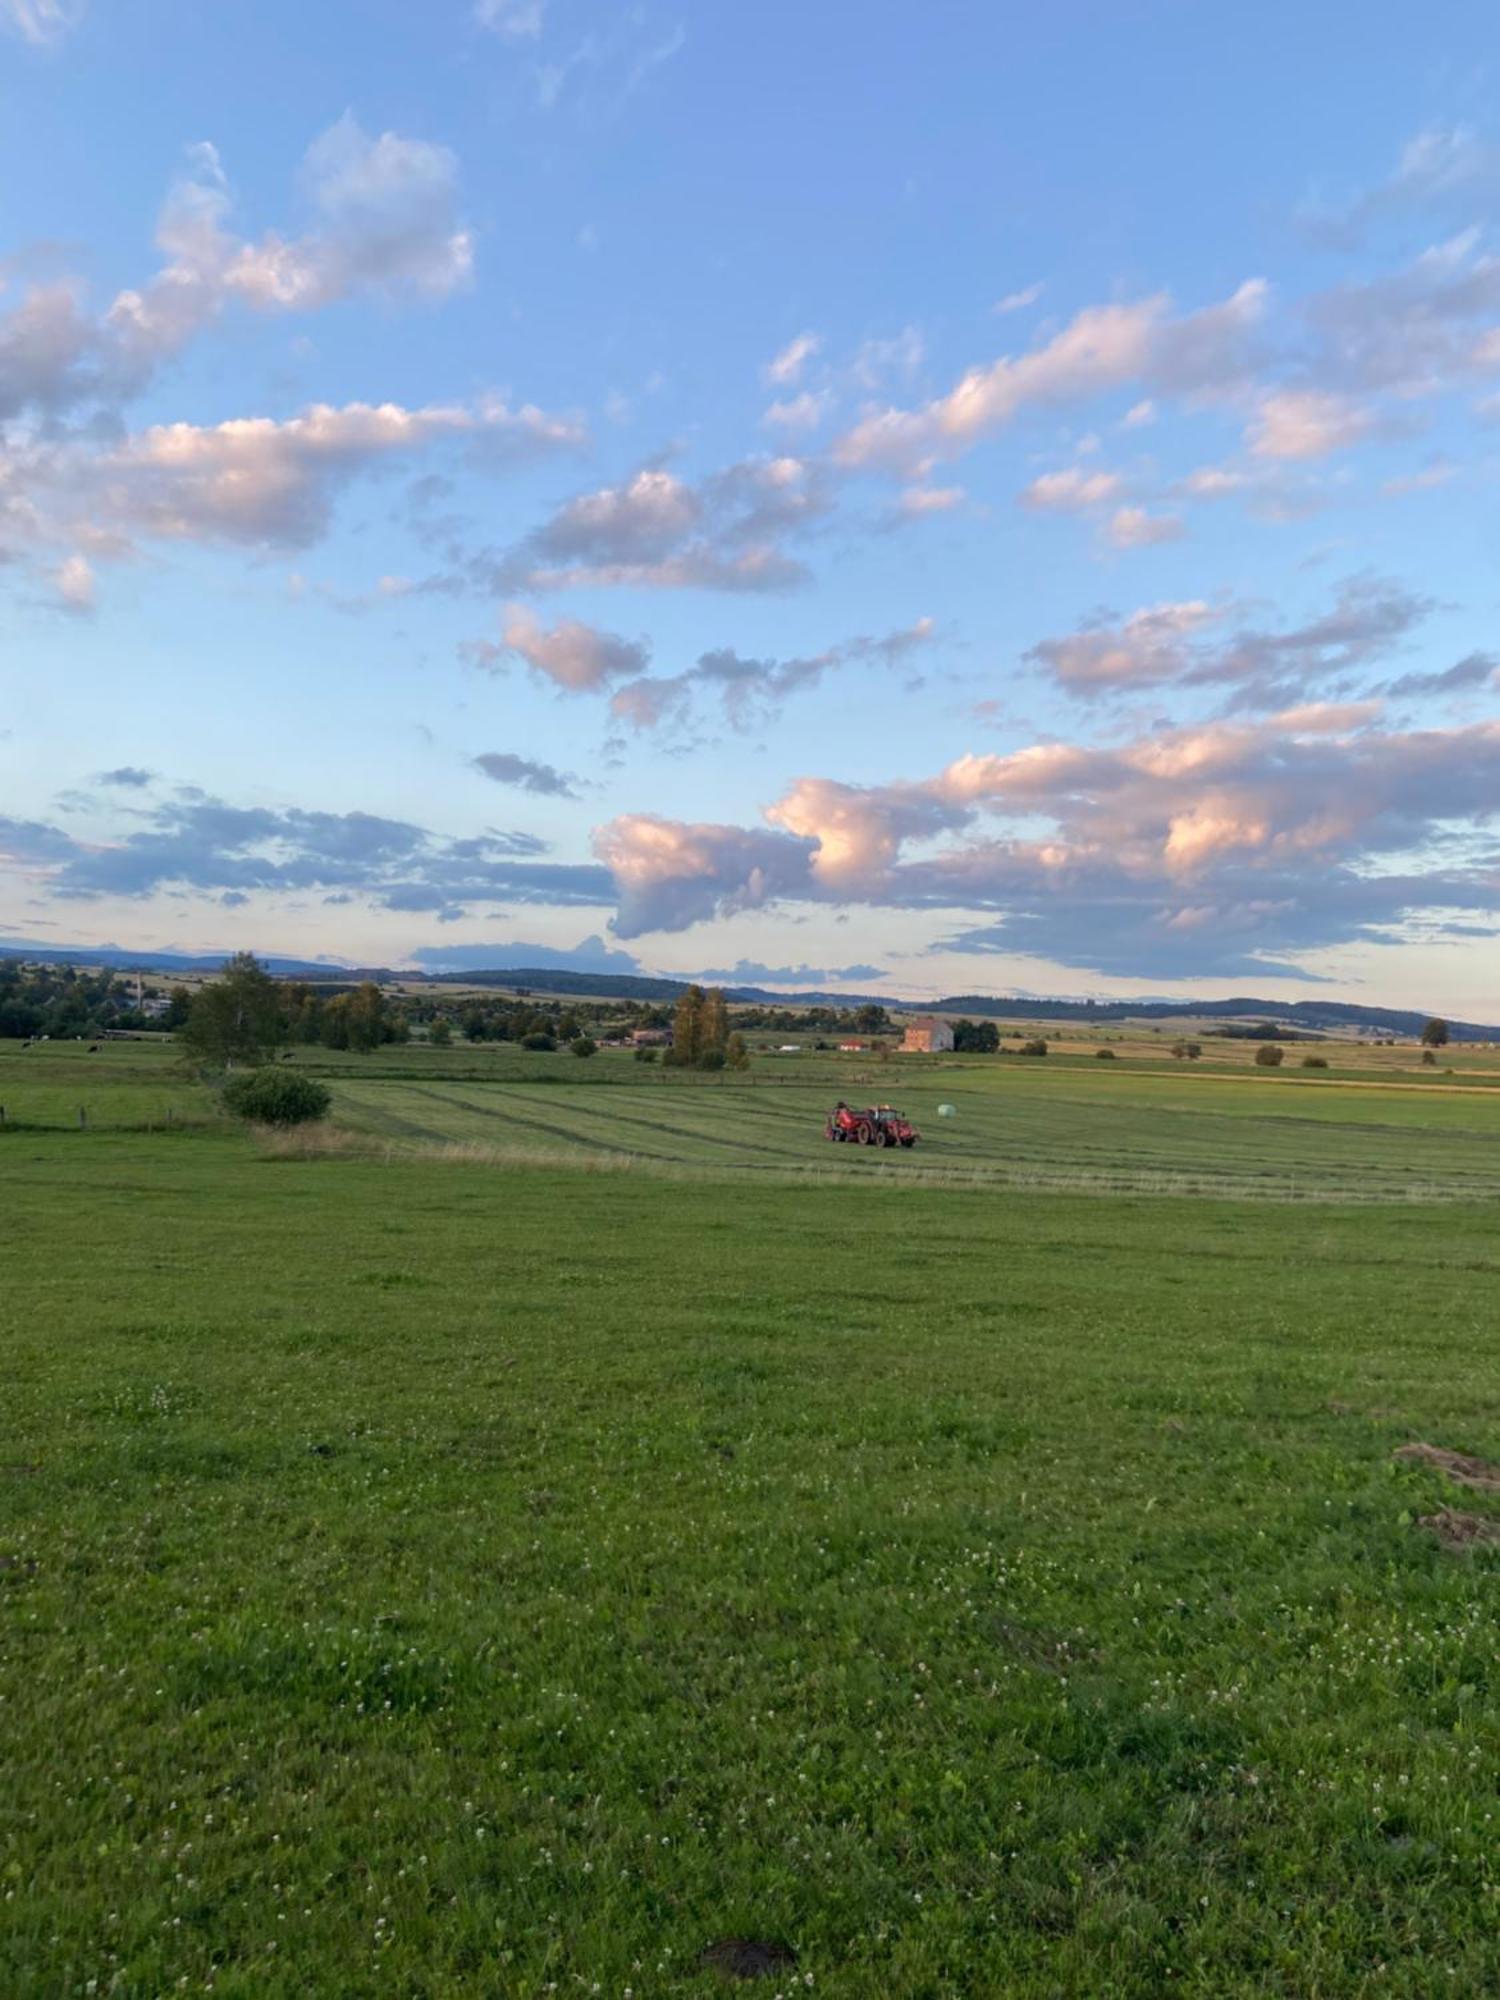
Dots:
pixel 118 960
pixel 1311 1015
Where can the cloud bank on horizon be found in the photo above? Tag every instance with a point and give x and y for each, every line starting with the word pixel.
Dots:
pixel 1022 564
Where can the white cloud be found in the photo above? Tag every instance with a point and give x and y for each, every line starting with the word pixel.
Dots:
pixel 1190 849
pixel 1307 423
pixel 383 223
pixel 1104 347
pixel 917 501
pixel 1137 528
pixel 74 579
pixel 1439 164
pixel 517 20
pixel 1070 491
pixel 658 531
pixel 1213 482
pixel 882 358
pixel 786 367
pixel 251 480
pixel 797 413
pixel 577 657
pixel 42 23
pixel 751 690
pixel 1187 645
pixel 1018 301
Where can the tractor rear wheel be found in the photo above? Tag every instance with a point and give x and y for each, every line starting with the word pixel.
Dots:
pixel 866 1134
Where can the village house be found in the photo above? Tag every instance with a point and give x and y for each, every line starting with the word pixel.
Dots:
pixel 927 1036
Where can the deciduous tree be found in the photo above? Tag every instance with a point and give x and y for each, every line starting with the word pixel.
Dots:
pixel 687 1028
pixel 236 1018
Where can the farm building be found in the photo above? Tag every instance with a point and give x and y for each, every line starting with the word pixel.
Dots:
pixel 927 1036
pixel 852 1048
pixel 651 1038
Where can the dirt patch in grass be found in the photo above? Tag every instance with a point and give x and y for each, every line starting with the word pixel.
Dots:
pixel 1477 1473
pixel 747 1958
pixel 1462 1531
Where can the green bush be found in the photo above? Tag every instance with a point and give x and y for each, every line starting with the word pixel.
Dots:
pixel 541 1042
pixel 1315 1062
pixel 711 1059
pixel 276 1097
pixel 1104 1055
pixel 1034 1048
pixel 583 1045
pixel 645 1055
pixel 1269 1056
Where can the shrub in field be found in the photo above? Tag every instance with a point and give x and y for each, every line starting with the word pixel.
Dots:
pixel 711 1059
pixel 1429 1058
pixel 541 1042
pixel 645 1055
pixel 583 1045
pixel 1034 1048
pixel 276 1097
pixel 1270 1056
pixel 1104 1055
pixel 1315 1062
pixel 440 1034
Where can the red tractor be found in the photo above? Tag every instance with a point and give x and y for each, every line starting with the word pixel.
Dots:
pixel 878 1126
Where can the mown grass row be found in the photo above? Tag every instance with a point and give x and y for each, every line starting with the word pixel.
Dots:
pixel 1060 1131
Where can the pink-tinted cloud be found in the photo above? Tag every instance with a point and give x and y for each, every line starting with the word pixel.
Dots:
pixel 1208 352
pixel 1180 835
pixel 383 221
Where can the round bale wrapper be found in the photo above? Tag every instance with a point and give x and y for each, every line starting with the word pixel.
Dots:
pixel 947 1111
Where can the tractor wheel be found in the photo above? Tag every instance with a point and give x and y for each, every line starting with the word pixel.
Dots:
pixel 887 1137
pixel 866 1134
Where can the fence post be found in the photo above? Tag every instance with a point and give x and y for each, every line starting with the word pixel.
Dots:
pixel 83 1119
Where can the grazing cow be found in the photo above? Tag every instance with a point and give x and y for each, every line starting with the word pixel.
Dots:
pixel 93 1048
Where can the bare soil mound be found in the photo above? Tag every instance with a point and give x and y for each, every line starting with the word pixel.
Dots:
pixel 1462 1531
pixel 1477 1473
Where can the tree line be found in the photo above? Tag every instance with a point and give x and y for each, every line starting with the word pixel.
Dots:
pixel 64 1001
pixel 245 1014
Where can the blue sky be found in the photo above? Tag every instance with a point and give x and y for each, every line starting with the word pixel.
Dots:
pixel 979 499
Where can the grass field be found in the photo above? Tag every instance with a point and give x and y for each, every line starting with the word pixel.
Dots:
pixel 431 1579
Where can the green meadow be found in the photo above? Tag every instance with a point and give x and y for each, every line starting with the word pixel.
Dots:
pixel 571 1523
